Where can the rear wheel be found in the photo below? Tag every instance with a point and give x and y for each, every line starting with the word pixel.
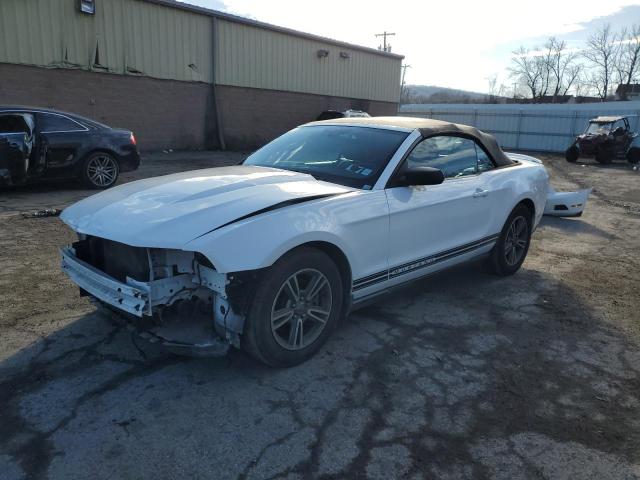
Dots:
pixel 572 154
pixel 296 306
pixel 512 246
pixel 603 155
pixel 100 170
pixel 633 155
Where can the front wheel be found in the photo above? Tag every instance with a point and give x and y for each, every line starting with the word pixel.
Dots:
pixel 512 246
pixel 100 170
pixel 296 305
pixel 572 153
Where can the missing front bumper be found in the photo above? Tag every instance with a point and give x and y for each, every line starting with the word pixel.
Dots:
pixel 122 296
pixel 188 313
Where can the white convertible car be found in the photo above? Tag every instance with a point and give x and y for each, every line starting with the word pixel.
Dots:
pixel 268 255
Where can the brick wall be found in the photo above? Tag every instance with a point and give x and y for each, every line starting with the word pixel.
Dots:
pixel 163 114
pixel 172 114
pixel 251 117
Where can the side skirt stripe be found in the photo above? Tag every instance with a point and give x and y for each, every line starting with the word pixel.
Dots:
pixel 422 263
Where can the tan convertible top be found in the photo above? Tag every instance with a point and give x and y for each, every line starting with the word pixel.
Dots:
pixel 429 128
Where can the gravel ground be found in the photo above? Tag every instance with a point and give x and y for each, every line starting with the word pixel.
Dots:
pixel 463 375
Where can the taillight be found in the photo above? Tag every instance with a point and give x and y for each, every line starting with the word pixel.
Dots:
pixel 133 139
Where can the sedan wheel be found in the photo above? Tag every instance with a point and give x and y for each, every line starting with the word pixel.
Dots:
pixel 101 170
pixel 295 306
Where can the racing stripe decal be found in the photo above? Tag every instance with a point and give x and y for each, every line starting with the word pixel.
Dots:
pixel 422 263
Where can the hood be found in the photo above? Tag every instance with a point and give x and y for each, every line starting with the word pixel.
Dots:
pixel 169 211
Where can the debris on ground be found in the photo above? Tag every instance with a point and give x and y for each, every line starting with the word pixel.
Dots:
pixel 47 212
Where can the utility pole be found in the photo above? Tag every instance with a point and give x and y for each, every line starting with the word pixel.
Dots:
pixel 404 71
pixel 384 36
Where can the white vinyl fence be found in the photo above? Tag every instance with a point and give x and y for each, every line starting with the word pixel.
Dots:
pixel 542 127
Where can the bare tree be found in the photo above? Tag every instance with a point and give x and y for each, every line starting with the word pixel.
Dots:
pixel 528 68
pixel 628 62
pixel 570 77
pixel 601 52
pixel 562 65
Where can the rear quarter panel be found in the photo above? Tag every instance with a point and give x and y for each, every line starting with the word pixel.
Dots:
pixel 526 180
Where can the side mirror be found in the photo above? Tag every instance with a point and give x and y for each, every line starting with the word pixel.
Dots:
pixel 422 176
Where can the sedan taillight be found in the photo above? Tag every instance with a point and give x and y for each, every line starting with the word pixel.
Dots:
pixel 133 139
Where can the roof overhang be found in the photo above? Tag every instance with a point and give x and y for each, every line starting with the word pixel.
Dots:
pixel 268 26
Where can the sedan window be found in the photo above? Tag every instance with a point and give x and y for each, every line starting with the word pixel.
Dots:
pixel 455 156
pixel 346 155
pixel 57 123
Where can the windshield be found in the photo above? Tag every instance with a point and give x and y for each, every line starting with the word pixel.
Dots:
pixel 598 128
pixel 350 156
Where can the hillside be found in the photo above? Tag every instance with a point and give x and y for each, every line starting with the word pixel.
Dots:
pixel 435 94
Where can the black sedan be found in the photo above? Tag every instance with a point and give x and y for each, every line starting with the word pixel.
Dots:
pixel 38 143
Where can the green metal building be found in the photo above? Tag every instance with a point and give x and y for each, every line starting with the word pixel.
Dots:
pixel 180 76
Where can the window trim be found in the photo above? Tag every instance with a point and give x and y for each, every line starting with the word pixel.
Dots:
pixel 403 161
pixel 82 129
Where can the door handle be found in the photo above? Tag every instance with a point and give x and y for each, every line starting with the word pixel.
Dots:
pixel 480 193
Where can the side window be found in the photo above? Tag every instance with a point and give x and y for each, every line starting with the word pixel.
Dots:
pixel 484 162
pixel 455 156
pixel 56 123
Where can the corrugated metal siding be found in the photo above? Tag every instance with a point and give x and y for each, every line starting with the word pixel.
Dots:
pixel 544 128
pixel 254 57
pixel 130 36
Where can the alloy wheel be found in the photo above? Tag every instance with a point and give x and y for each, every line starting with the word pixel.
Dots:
pixel 515 243
pixel 102 170
pixel 301 309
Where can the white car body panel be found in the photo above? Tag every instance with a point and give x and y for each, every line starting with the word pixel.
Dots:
pixel 170 211
pixel 357 223
pixel 566 204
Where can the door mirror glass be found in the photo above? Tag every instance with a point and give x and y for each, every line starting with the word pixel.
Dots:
pixel 423 176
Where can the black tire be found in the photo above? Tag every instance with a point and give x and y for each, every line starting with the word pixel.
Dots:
pixel 633 155
pixel 603 155
pixel 100 170
pixel 500 262
pixel 261 338
pixel 572 153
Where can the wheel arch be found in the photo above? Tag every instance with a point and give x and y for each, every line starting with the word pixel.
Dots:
pixel 528 203
pixel 339 258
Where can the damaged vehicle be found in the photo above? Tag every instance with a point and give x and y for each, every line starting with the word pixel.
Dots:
pixel 43 144
pixel 606 138
pixel 269 255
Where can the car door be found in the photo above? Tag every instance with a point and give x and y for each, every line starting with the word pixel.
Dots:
pixel 59 139
pixel 432 226
pixel 16 143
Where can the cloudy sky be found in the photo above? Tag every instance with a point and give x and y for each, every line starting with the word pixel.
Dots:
pixel 455 44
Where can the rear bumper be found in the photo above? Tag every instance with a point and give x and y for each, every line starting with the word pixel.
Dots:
pixel 120 295
pixel 129 159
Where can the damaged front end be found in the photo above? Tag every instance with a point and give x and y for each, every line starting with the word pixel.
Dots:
pixel 172 297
